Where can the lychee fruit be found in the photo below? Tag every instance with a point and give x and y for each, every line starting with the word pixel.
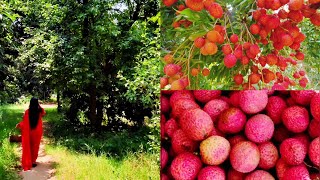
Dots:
pixel 165 104
pixel 185 166
pixel 314 151
pixel 170 127
pixel 268 155
pixel 245 156
pixel 259 175
pixel 182 105
pixel 292 151
pixel 211 173
pixel 214 150
pixel 185 94
pixel 216 10
pixel 295 4
pixel 253 101
pixel 199 42
pixel 232 120
pixel 314 129
pixel 296 172
pixel 194 5
pixel 236 139
pixel 276 105
pixel 215 107
pixel 205 96
pixel 235 98
pixel 302 97
pixel 182 143
pixel 196 123
pixel 315 106
pixel 164 158
pixel 259 128
pixel 281 167
pixel 295 118
pixel 235 175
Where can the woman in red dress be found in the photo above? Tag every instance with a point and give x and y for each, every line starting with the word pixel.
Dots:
pixel 31 132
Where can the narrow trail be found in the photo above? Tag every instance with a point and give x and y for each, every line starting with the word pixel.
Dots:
pixel 44 169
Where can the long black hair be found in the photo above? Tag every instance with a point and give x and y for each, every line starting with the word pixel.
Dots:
pixel 34 112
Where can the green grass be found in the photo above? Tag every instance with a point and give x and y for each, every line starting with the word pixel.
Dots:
pixel 73 165
pixel 10 115
pixel 79 153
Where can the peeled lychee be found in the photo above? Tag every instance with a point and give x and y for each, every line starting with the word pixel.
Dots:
pixel 292 151
pixel 231 120
pixel 245 156
pixel 314 151
pixel 197 124
pixel 205 96
pixel 268 155
pixel 253 101
pixel 295 118
pixel 214 150
pixel 259 175
pixel 215 107
pixel 276 105
pixel 259 128
pixel 211 173
pixel 185 166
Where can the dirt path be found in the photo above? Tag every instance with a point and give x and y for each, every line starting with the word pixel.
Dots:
pixel 44 169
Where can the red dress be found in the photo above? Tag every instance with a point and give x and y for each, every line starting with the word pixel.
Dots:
pixel 30 140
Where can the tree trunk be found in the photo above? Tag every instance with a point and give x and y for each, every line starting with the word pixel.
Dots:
pixel 99 113
pixel 59 101
pixel 93 104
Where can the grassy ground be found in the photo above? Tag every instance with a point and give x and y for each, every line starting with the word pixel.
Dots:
pixel 10 115
pixel 79 154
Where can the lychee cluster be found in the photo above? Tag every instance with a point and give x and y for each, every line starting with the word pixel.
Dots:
pixel 251 134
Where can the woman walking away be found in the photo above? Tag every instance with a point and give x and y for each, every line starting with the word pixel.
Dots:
pixel 31 132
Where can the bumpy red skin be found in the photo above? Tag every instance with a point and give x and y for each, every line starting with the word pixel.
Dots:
pixel 304 138
pixel 214 150
pixel 212 173
pixel 292 151
pixel 296 119
pixel 170 127
pixel 164 158
pixel 253 101
pixel 183 94
pixel 296 172
pixel 232 121
pixel 205 96
pixel 259 175
pixel 236 139
pixel 315 106
pixel 302 97
pixel 235 98
pixel 314 129
pixel 268 155
pixel 276 105
pixel 245 156
pixel 259 128
pixel 281 167
pixel 181 143
pixel 235 175
pixel 314 151
pixel 185 166
pixel 215 107
pixel 165 104
pixel 197 124
pixel 182 105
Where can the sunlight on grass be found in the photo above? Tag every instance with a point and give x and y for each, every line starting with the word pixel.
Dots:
pixel 72 165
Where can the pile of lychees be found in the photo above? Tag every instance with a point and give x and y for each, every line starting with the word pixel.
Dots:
pixel 238 135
